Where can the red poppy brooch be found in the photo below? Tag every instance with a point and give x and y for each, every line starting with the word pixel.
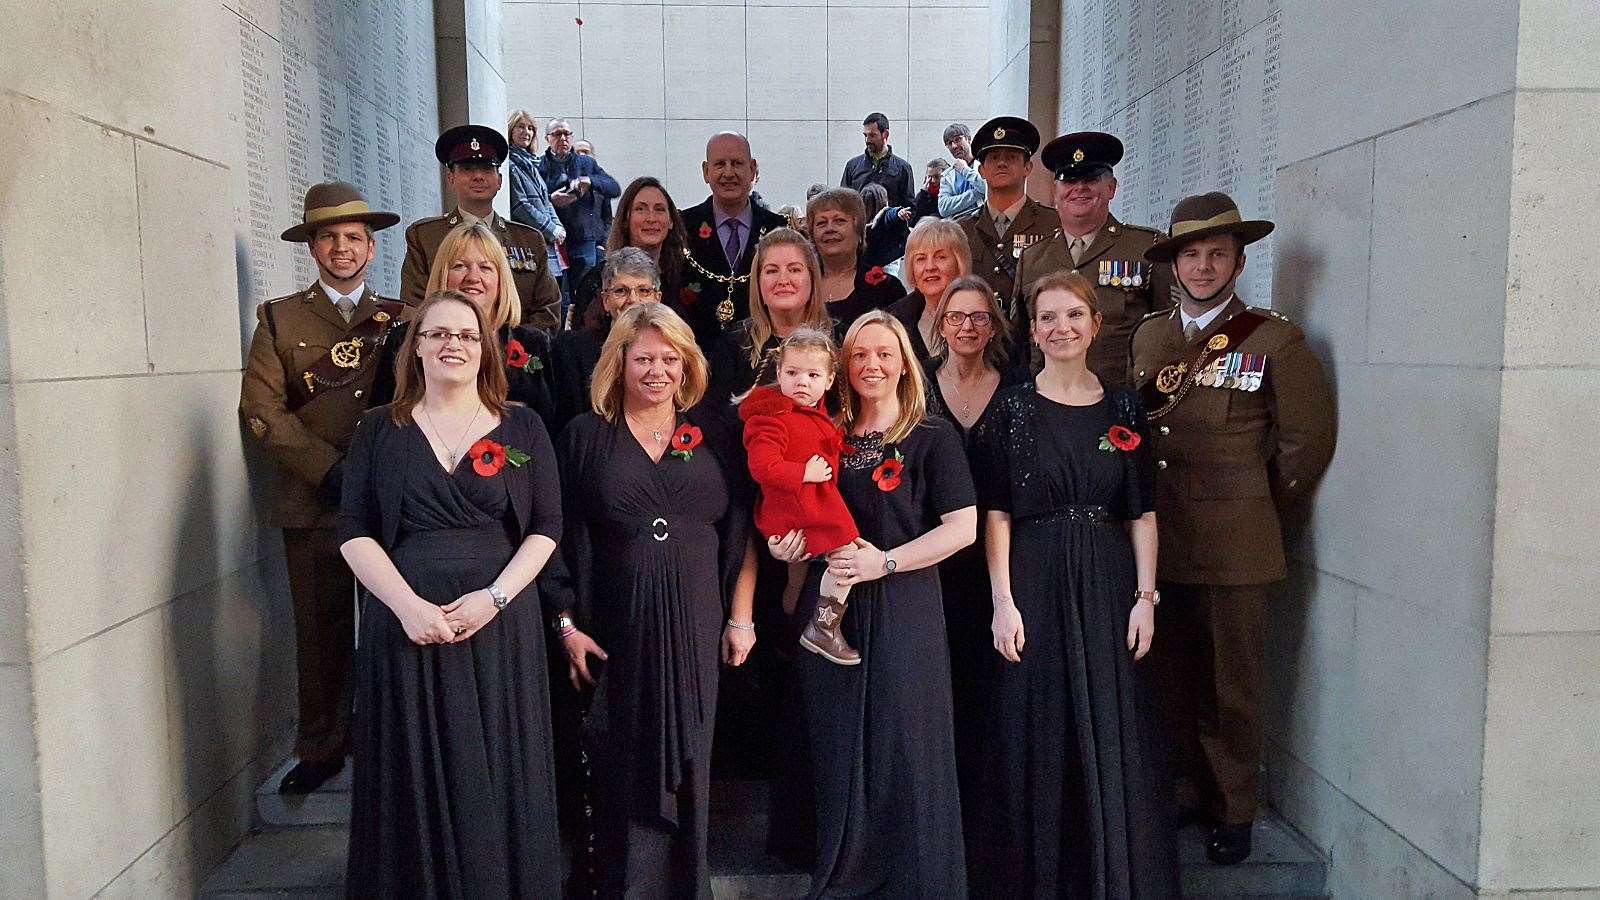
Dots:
pixel 489 457
pixel 689 294
pixel 684 440
pixel 1119 437
pixel 887 474
pixel 875 276
pixel 705 231
pixel 518 357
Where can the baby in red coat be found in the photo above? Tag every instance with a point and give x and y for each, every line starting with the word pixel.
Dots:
pixel 793 448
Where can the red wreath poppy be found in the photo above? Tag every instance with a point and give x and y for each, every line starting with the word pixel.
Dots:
pixel 684 440
pixel 705 231
pixel 488 457
pixel 1122 437
pixel 875 276
pixel 688 296
pixel 887 474
pixel 516 354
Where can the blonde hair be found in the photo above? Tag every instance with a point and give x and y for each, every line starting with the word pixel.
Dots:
pixel 410 384
pixel 937 234
pixel 507 306
pixel 804 339
pixel 816 310
pixel 842 200
pixel 515 116
pixel 994 352
pixel 911 391
pixel 605 387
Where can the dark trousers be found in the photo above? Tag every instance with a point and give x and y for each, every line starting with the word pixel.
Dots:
pixel 1207 667
pixel 581 257
pixel 323 591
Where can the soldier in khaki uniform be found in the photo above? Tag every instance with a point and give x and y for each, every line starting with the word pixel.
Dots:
pixel 312 361
pixel 1093 243
pixel 472 156
pixel 1242 423
pixel 1009 221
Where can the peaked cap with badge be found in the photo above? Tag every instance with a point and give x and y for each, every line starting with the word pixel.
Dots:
pixel 1126 285
pixel 525 247
pixel 305 385
pixel 996 251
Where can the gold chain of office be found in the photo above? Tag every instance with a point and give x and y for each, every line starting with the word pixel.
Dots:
pixel 714 276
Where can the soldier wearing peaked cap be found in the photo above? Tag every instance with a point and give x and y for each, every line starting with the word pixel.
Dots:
pixel 1089 240
pixel 1009 221
pixel 311 364
pixel 1242 425
pixel 472 156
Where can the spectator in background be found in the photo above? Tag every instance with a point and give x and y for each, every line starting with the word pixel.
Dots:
pixel 879 165
pixel 530 199
pixel 815 189
pixel 578 188
pixel 885 232
pixel 585 147
pixel 961 188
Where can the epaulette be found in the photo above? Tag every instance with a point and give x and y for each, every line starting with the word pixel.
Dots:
pixel 1154 233
pixel 1155 315
pixel 1268 313
pixel 969 214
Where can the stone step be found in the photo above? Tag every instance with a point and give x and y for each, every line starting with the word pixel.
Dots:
pixel 301 848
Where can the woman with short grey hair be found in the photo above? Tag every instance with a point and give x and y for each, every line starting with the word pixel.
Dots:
pixel 628 277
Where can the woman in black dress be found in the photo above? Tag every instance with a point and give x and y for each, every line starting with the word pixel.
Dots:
pixel 472 262
pixel 784 295
pixel 1076 806
pixel 937 253
pixel 969 350
pixel 628 277
pixel 883 754
pixel 656 540
pixel 451 508
pixel 836 220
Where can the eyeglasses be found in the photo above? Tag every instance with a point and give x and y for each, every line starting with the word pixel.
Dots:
pixel 556 134
pixel 623 293
pixel 955 318
pixel 440 336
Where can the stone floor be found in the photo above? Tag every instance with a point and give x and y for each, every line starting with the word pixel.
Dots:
pixel 298 851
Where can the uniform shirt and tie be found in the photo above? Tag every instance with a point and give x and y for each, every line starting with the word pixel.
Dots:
pixel 1193 325
pixel 345 303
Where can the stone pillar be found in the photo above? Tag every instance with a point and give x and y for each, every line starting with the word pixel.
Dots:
pixel 1436 658
pixel 472 89
pixel 1024 71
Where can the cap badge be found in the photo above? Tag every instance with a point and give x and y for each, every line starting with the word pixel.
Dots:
pixel 1077 155
pixel 474 145
pixel 999 133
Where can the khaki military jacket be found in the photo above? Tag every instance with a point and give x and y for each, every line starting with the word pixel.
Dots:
pixel 1230 456
pixel 995 256
pixel 524 246
pixel 1117 254
pixel 293 334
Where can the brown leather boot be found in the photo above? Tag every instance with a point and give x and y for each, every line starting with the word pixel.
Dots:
pixel 823 637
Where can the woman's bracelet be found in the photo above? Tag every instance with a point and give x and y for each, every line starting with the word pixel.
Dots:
pixel 1153 596
pixel 567 632
pixel 742 626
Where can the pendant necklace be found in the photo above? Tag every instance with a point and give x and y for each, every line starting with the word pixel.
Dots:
pixel 452 453
pixel 966 405
pixel 654 432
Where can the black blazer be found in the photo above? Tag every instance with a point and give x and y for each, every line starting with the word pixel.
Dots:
pixel 700 294
pixel 377 466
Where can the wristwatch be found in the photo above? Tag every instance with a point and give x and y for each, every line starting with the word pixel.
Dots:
pixel 499 596
pixel 888 564
pixel 1153 596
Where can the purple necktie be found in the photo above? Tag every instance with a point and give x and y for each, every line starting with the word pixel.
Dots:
pixel 731 248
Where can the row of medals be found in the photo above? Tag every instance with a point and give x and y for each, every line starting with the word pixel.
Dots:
pixel 1234 371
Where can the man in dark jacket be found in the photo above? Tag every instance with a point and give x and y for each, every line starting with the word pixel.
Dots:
pixel 879 165
pixel 579 188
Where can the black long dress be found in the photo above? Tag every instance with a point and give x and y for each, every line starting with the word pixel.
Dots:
pixel 968 611
pixel 1076 804
pixel 653 549
pixel 888 812
pixel 454 794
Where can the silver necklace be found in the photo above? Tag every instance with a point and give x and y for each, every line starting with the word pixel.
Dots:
pixel 453 453
pixel 654 432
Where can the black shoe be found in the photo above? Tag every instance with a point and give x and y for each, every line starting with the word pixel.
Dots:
pixel 309 774
pixel 1229 844
pixel 1194 815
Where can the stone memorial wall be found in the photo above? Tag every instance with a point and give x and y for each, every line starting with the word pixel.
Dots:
pixel 1192 90
pixel 329 89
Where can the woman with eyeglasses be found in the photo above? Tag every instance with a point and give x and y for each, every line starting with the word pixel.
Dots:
pixel 452 507
pixel 969 352
pixel 472 263
pixel 627 278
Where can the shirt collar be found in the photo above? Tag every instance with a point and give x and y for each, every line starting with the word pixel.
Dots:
pixel 888 151
pixel 1009 214
pixel 746 219
pixel 1205 319
pixel 333 295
